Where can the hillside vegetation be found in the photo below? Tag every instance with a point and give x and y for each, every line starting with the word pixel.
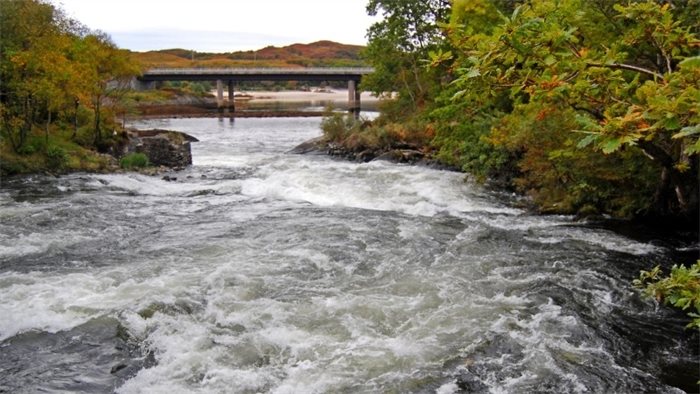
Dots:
pixel 316 54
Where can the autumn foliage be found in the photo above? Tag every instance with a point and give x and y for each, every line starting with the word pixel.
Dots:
pixel 56 76
pixel 589 107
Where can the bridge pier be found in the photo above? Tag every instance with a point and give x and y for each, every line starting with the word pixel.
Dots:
pixel 231 103
pixel 353 98
pixel 137 84
pixel 220 95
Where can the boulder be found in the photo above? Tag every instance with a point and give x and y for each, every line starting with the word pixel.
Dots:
pixel 163 147
pixel 402 156
pixel 316 145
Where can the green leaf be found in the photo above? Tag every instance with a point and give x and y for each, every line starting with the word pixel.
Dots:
pixel 589 139
pixel 549 60
pixel 671 122
pixel 690 63
pixel 439 57
pixel 587 122
pixel 515 90
pixel 473 73
pixel 693 149
pixel 611 145
pixel 682 303
pixel 458 95
pixel 516 12
pixel 687 131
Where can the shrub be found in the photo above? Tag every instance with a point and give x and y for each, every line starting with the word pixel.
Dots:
pixel 462 141
pixel 680 289
pixel 199 88
pixel 56 157
pixel 337 127
pixel 26 150
pixel 134 160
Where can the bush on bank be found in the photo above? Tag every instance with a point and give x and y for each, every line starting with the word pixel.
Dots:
pixel 586 107
pixel 59 155
pixel 681 288
pixel 133 161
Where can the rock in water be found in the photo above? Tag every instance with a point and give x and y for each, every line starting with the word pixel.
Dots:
pixel 316 145
pixel 163 148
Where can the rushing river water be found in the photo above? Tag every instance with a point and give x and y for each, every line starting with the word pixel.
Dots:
pixel 262 271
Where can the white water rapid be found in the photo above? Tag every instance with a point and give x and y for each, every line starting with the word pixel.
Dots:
pixel 261 271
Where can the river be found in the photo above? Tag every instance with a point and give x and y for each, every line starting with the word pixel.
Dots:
pixel 256 270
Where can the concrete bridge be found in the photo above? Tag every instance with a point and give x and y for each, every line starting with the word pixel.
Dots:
pixel 231 75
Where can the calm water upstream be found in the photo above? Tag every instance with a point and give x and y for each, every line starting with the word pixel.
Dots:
pixel 262 271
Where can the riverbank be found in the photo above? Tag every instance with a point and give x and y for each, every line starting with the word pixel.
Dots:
pixel 254 104
pixel 419 142
pixel 58 153
pixel 61 153
pixel 644 227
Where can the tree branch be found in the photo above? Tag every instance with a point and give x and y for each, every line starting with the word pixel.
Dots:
pixel 667 162
pixel 656 153
pixel 623 66
pixel 596 114
pixel 663 54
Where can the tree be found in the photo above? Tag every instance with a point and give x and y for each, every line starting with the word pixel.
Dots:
pixel 399 45
pixel 28 33
pixel 628 74
pixel 49 63
pixel 106 71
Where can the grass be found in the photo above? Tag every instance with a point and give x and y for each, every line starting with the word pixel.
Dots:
pixel 59 154
pixel 154 96
pixel 356 135
pixel 133 161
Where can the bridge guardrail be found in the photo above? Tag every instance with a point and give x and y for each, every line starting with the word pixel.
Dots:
pixel 260 70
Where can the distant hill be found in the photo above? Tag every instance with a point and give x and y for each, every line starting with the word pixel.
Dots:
pixel 316 54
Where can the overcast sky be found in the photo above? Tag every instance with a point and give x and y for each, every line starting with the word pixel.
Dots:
pixel 221 25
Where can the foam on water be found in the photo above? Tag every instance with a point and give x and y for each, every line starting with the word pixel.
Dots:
pixel 34 243
pixel 258 271
pixel 602 238
pixel 150 186
pixel 377 186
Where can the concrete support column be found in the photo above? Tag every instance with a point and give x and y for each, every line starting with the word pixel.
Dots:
pixel 351 95
pixel 231 103
pixel 353 98
pixel 220 94
pixel 138 84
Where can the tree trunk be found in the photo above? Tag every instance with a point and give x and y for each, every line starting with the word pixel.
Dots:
pixel 75 120
pixel 671 195
pixel 98 132
pixel 46 130
pixel 27 126
pixel 679 190
pixel 661 195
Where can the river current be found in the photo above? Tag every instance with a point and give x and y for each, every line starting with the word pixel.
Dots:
pixel 257 270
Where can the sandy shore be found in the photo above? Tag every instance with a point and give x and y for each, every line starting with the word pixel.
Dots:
pixel 262 104
pixel 298 95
